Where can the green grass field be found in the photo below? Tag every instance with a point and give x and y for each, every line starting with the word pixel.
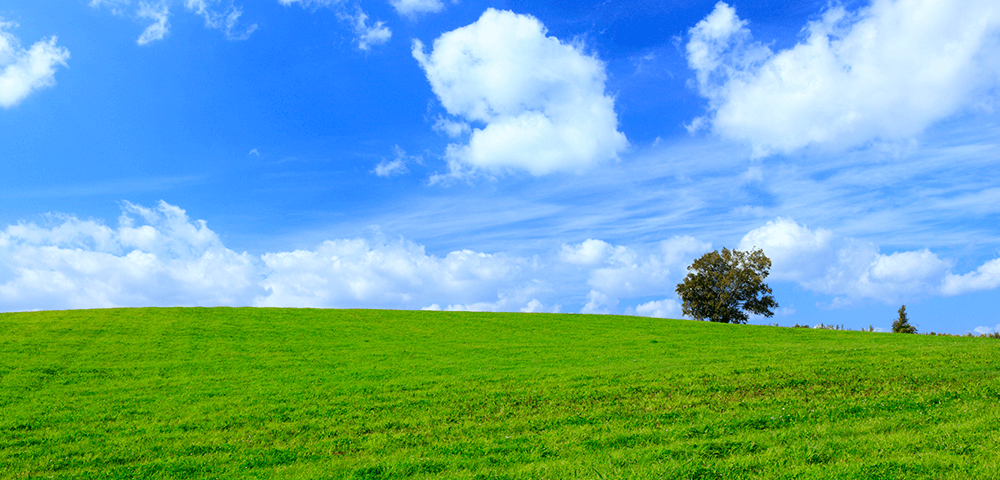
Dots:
pixel 295 393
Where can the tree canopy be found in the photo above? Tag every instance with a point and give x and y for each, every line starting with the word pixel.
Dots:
pixel 726 286
pixel 902 323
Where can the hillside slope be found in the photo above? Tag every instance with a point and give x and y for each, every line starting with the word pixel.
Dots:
pixel 300 393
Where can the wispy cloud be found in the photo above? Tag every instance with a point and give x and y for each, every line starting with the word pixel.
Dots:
pixel 366 34
pixel 311 3
pixel 226 19
pixel 412 8
pixel 933 198
pixel 23 71
pixel 396 166
pixel 220 15
pixel 158 29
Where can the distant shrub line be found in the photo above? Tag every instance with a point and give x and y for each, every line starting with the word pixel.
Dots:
pixel 872 329
pixel 901 325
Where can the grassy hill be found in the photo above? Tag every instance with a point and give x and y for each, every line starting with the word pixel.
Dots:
pixel 296 393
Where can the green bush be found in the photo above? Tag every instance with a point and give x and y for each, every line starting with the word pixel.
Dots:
pixel 902 324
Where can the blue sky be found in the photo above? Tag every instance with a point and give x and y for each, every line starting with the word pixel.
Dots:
pixel 519 156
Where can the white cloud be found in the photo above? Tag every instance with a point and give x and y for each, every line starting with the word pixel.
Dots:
pixel 627 274
pixel 24 71
pixel 116 6
pixel 226 18
pixel 311 3
pixel 534 306
pixel 411 8
pixel 367 35
pixel 158 29
pixel 398 274
pixel 154 257
pixel 541 102
pixel 986 277
pixel 505 303
pixel 452 128
pixel 387 168
pixel 855 269
pixel 883 72
pixel 987 330
pixel 797 253
pixel 599 303
pixel 588 252
pixel 158 256
pixel 667 308
pixel 396 166
pixel 616 272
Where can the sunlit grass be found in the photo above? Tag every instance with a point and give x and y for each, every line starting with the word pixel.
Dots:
pixel 295 393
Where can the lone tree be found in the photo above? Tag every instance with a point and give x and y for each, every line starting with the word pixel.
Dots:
pixel 902 324
pixel 723 287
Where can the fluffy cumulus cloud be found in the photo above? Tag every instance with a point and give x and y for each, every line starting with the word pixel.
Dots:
pixel 617 272
pixel 359 272
pixel 530 101
pixel 986 277
pixel 797 253
pixel 854 270
pixel 155 256
pixel 217 14
pixel 592 252
pixel 23 71
pixel 884 72
pixel 508 300
pixel 159 256
pixel 668 308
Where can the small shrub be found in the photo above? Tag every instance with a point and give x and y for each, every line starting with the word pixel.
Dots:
pixel 902 324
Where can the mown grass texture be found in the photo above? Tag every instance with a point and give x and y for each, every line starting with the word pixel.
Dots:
pixel 301 393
